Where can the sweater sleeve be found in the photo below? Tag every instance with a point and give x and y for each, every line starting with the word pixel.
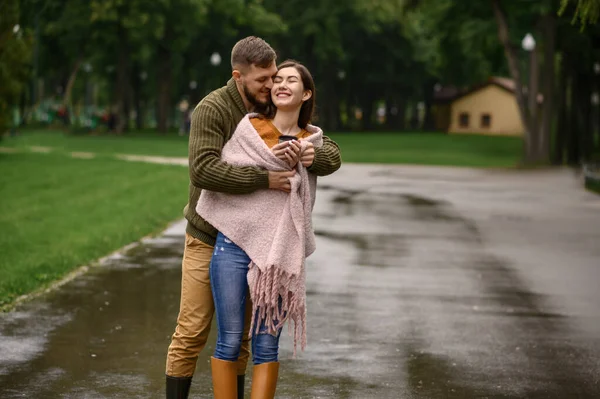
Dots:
pixel 327 158
pixel 207 171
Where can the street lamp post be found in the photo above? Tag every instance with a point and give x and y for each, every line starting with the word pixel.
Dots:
pixel 215 61
pixel 87 68
pixel 596 95
pixel 528 44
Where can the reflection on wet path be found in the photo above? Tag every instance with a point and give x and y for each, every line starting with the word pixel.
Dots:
pixel 426 308
pixel 109 330
pixel 417 290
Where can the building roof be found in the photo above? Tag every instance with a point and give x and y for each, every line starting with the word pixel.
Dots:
pixel 507 84
pixel 445 94
pixel 442 94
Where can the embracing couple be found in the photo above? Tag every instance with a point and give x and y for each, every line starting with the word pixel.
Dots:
pixel 254 159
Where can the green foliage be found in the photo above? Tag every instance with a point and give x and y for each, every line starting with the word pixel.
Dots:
pixel 586 11
pixel 361 52
pixel 261 20
pixel 374 13
pixel 457 41
pixel 71 25
pixel 15 45
pixel 593 185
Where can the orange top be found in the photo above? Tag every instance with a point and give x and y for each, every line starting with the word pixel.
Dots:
pixel 269 133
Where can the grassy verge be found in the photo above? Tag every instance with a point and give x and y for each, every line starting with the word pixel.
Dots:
pixel 592 184
pixel 397 148
pixel 430 149
pixel 59 213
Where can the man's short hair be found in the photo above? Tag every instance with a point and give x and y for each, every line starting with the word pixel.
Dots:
pixel 252 50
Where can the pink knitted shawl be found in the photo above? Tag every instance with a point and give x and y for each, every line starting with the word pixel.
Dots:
pixel 274 228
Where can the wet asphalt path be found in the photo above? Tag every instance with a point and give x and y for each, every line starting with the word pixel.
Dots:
pixel 427 283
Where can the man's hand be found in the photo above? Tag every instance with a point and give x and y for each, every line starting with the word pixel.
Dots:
pixel 281 180
pixel 308 155
pixel 288 151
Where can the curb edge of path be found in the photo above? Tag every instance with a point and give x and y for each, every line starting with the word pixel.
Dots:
pixel 80 270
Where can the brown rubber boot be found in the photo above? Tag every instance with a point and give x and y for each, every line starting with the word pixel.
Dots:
pixel 264 380
pixel 224 377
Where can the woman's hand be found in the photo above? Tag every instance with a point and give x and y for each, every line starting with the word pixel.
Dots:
pixel 308 155
pixel 288 151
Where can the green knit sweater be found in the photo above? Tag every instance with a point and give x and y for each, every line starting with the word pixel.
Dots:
pixel 213 122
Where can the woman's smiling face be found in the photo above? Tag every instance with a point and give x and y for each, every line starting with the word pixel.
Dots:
pixel 288 91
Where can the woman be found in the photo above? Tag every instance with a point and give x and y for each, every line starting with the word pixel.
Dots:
pixel 264 237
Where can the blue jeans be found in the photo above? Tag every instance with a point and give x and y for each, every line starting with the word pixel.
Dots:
pixel 228 271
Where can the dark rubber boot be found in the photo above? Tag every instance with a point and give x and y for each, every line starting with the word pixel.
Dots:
pixel 240 384
pixel 178 387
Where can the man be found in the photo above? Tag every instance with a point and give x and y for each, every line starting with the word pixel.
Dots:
pixel 213 122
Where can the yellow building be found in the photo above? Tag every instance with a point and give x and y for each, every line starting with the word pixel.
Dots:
pixel 487 109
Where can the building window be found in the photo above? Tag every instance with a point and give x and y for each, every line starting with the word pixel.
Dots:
pixel 463 119
pixel 486 120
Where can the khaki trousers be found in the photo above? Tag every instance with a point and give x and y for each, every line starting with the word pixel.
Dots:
pixel 196 311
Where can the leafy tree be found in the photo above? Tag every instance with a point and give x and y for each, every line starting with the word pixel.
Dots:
pixel 455 42
pixel 119 28
pixel 147 55
pixel 586 11
pixel 15 56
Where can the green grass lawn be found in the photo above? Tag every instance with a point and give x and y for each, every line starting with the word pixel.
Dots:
pixel 402 148
pixel 59 213
pixel 430 149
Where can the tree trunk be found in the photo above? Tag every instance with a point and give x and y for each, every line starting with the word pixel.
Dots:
pixel 23 109
pixel 394 114
pixel 128 104
pixel 573 124
pixel 164 88
pixel 548 110
pixel 136 83
pixel 351 117
pixel 332 115
pixel 402 104
pixel 532 93
pixel 428 120
pixel 584 107
pixel 597 139
pixel 121 81
pixel 562 125
pixel 330 107
pixel 413 117
pixel 513 66
pixel 367 110
pixel 71 82
pixel 35 63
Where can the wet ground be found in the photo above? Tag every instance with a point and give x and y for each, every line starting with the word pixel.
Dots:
pixel 427 283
